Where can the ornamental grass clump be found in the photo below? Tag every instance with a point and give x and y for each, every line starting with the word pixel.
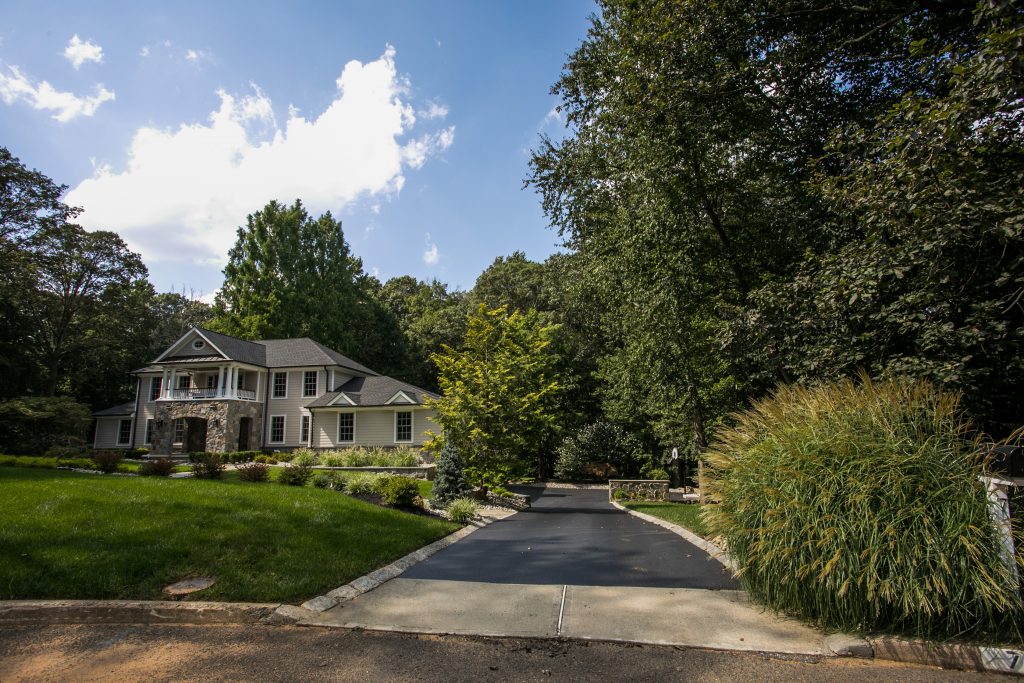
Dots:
pixel 858 505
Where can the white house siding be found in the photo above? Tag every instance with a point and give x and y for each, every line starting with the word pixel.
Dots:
pixel 147 410
pixel 373 427
pixel 292 407
pixel 106 432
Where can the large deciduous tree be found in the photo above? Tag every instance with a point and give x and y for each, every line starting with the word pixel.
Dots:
pixel 290 275
pixel 685 183
pixel 499 395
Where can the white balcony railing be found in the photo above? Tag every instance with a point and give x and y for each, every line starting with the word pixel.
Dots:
pixel 198 394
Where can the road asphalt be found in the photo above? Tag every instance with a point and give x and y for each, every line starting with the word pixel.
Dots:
pixel 575 537
pixel 125 653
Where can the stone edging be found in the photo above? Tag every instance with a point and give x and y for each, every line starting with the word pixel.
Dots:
pixel 135 612
pixel 368 582
pixel 707 546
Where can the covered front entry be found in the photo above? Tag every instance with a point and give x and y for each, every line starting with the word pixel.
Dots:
pixel 195 435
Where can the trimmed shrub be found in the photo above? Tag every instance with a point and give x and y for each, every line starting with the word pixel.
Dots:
pixel 295 475
pixel 360 483
pixel 254 471
pixel 161 467
pixel 462 510
pixel 655 473
pixel 206 465
pixel 859 506
pixel 108 461
pixel 601 442
pixel 395 489
pixel 449 478
pixel 267 459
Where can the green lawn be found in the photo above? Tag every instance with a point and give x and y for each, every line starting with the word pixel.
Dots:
pixel 70 535
pixel 684 514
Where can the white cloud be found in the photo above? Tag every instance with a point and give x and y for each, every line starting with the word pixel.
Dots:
pixel 144 52
pixel 79 52
pixel 552 116
pixel 431 256
pixel 210 298
pixel 434 110
pixel 16 87
pixel 184 191
pixel 198 56
pixel 416 151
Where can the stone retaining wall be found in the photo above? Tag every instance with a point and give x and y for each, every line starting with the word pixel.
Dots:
pixel 419 472
pixel 638 489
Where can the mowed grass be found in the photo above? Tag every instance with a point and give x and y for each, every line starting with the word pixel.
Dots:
pixel 686 515
pixel 71 535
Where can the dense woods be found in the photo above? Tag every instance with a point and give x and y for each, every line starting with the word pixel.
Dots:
pixel 748 193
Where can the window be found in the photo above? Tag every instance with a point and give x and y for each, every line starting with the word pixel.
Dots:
pixel 403 426
pixel 179 430
pixel 124 432
pixel 309 383
pixel 184 382
pixel 277 429
pixel 280 385
pixel 149 432
pixel 211 381
pixel 198 344
pixel 155 385
pixel 304 429
pixel 346 427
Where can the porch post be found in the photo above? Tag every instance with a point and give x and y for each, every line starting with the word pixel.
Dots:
pixel 220 380
pixel 173 382
pixel 231 381
pixel 164 389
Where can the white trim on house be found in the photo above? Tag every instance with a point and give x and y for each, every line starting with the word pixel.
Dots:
pixel 173 346
pixel 159 393
pixel 306 422
pixel 395 397
pixel 342 396
pixel 147 431
pixel 316 383
pixel 121 432
pixel 284 429
pixel 273 384
pixel 412 426
pixel 337 434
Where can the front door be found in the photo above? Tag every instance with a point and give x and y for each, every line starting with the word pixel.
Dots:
pixel 244 427
pixel 195 435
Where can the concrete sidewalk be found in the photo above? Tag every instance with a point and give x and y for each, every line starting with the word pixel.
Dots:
pixel 663 616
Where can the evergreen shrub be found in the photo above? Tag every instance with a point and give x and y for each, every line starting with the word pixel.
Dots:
pixel 254 471
pixel 449 477
pixel 859 506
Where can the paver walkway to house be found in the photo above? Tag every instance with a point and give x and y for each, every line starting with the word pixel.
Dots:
pixel 574 566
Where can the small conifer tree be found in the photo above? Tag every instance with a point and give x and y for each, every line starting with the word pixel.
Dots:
pixel 450 478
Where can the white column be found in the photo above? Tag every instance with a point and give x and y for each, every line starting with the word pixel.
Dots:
pixel 231 381
pixel 220 380
pixel 164 389
pixel 172 382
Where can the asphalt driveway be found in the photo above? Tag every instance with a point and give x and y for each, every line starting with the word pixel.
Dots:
pixel 575 537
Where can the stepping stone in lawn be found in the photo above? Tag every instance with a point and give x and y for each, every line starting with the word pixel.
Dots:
pixel 188 586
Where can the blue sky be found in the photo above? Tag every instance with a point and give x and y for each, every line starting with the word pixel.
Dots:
pixel 411 121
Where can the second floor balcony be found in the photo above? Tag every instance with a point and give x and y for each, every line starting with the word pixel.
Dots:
pixel 209 393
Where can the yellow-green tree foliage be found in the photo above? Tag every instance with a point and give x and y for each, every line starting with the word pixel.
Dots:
pixel 499 394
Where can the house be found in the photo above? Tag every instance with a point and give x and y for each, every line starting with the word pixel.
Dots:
pixel 212 392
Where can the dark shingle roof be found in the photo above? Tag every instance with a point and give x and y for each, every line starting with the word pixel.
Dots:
pixel 304 351
pixel 116 411
pixel 237 349
pixel 371 391
pixel 269 353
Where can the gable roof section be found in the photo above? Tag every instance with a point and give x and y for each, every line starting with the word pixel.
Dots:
pixel 124 409
pixel 374 391
pixel 237 349
pixel 282 353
